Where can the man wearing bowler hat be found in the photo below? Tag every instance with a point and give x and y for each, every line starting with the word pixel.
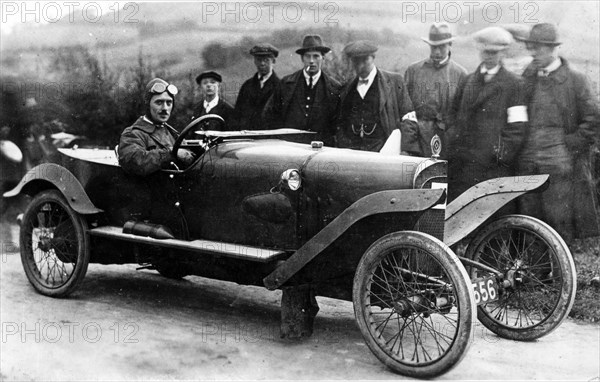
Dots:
pixel 432 85
pixel 491 118
pixel 373 105
pixel 256 91
pixel 564 124
pixel 211 103
pixel 307 99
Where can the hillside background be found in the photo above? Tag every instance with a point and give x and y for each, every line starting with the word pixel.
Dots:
pixel 86 77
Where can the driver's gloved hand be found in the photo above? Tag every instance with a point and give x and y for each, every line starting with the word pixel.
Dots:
pixel 186 157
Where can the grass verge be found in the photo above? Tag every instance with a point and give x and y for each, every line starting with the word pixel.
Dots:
pixel 586 253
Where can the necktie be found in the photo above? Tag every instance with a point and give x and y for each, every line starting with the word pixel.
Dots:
pixel 363 81
pixel 310 82
pixel 542 73
pixel 260 81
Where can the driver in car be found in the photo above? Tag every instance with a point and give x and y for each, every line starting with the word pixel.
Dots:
pixel 146 146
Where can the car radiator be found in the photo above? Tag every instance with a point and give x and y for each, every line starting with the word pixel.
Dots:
pixel 432 174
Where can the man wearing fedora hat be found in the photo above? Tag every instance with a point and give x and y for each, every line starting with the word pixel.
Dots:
pixel 432 85
pixel 373 105
pixel 488 118
pixel 307 99
pixel 256 91
pixel 211 103
pixel 564 124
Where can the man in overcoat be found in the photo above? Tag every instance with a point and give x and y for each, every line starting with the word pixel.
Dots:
pixel 432 85
pixel 373 105
pixel 489 118
pixel 564 125
pixel 256 91
pixel 212 103
pixel 307 99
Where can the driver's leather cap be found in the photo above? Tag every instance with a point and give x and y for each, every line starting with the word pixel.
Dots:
pixel 149 93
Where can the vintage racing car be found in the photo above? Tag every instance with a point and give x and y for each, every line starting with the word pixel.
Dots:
pixel 311 221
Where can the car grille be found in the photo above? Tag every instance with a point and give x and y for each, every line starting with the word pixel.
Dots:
pixel 432 221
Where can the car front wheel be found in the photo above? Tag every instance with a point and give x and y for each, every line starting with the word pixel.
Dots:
pixel 413 304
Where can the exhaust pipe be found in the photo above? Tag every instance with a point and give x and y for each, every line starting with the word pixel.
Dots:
pixel 155 231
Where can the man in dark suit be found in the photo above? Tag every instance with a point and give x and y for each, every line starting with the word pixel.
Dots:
pixel 373 105
pixel 489 118
pixel 211 102
pixel 307 99
pixel 256 91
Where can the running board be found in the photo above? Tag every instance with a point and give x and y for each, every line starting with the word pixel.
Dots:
pixel 237 251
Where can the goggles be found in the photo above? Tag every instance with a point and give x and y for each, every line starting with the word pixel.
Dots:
pixel 159 87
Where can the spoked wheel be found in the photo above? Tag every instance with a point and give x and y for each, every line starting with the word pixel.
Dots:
pixel 539 276
pixel 413 304
pixel 54 245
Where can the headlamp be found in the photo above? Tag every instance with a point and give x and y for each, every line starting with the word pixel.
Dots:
pixel 291 178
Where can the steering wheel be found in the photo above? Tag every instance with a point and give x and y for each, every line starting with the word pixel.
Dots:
pixel 186 131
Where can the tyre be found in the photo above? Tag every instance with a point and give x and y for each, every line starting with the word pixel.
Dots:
pixel 537 263
pixel 54 245
pixel 413 304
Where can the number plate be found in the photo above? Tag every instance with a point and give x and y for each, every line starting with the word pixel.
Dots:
pixel 485 289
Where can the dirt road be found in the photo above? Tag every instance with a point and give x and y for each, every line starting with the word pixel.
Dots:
pixel 125 324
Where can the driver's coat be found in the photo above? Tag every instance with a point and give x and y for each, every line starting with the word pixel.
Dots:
pixel 145 147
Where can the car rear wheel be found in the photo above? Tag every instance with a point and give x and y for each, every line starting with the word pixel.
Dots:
pixel 54 245
pixel 413 304
pixel 539 267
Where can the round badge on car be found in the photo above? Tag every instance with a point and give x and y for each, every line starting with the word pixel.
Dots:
pixel 436 146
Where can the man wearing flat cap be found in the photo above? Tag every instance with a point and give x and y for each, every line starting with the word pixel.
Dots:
pixel 490 118
pixel 256 91
pixel 373 105
pixel 307 99
pixel 432 85
pixel 145 147
pixel 564 124
pixel 211 102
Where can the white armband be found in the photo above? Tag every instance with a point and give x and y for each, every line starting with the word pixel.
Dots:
pixel 412 116
pixel 517 114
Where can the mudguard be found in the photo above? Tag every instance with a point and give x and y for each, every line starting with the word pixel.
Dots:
pixel 38 177
pixel 467 212
pixel 373 204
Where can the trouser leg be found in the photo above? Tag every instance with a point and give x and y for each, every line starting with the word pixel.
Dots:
pixel 558 205
pixel 530 204
pixel 298 310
